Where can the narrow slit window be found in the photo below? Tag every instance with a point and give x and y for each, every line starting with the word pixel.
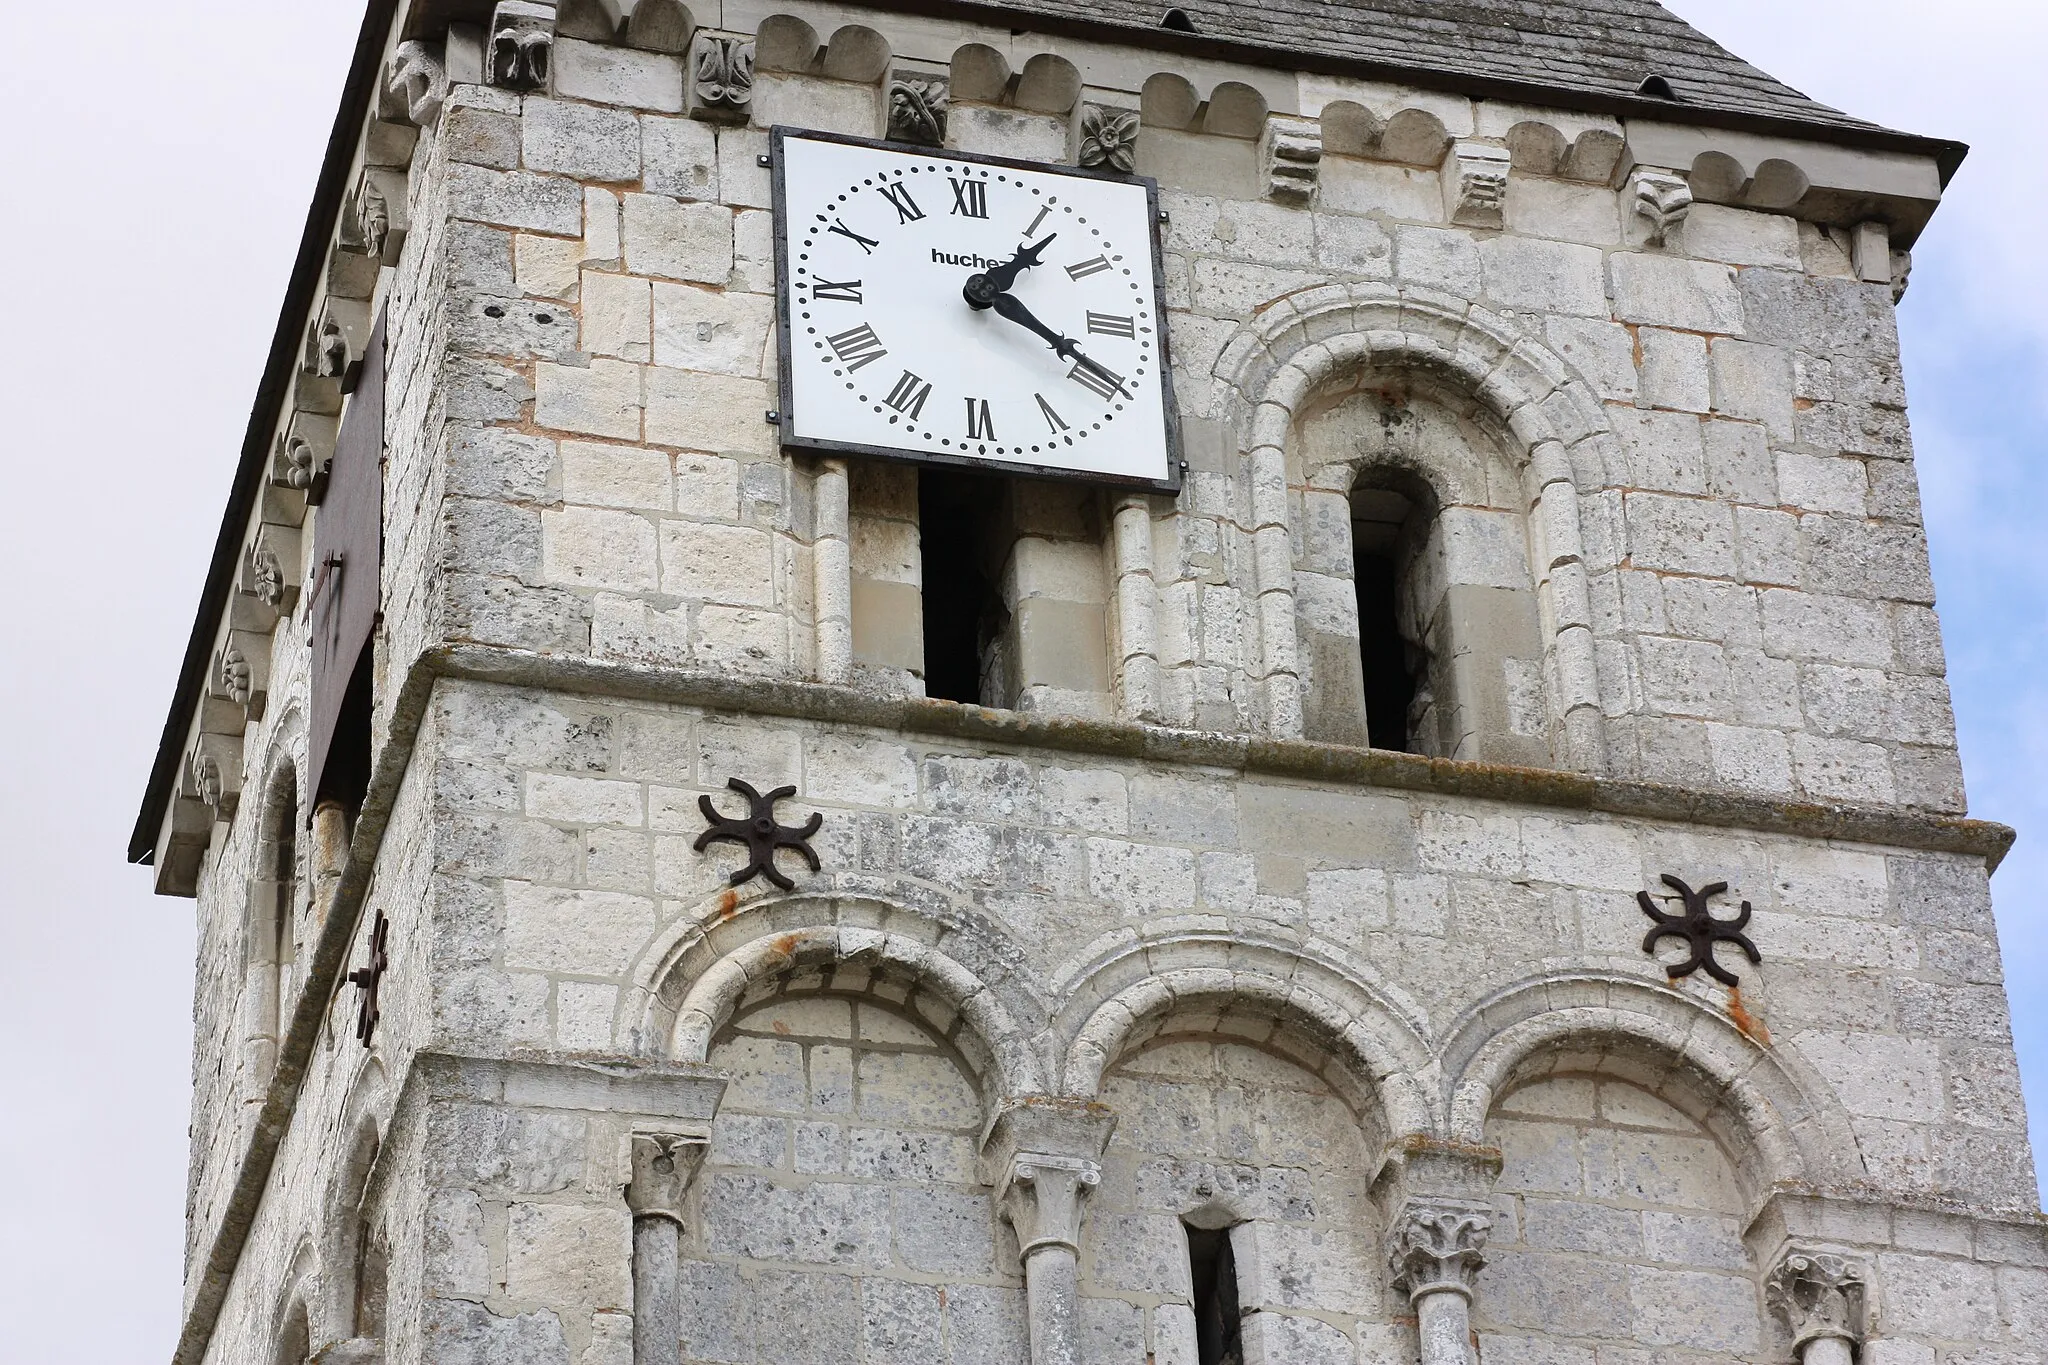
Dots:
pixel 964 617
pixel 1218 1323
pixel 1390 661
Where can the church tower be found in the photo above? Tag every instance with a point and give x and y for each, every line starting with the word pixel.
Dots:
pixel 1090 685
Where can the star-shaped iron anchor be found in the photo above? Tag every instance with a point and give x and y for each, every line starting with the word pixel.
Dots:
pixel 369 979
pixel 1699 929
pixel 761 834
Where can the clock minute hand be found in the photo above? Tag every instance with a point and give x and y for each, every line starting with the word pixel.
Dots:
pixel 1012 307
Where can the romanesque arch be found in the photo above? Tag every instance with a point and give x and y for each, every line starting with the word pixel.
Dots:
pixel 1779 1122
pixel 1277 365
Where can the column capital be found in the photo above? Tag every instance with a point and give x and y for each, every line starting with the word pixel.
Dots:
pixel 1817 1294
pixel 1437 1246
pixel 1043 1154
pixel 664 1166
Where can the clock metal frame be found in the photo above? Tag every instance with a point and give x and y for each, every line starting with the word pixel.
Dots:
pixel 785 414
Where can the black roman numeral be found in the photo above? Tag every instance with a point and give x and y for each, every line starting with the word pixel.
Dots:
pixel 1108 325
pixel 1052 419
pixel 858 346
pixel 908 396
pixel 867 244
pixel 1032 231
pixel 1087 268
pixel 981 426
pixel 970 198
pixel 848 291
pixel 907 210
pixel 1105 383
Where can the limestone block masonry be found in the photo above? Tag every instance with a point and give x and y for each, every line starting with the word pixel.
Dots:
pixel 1147 1015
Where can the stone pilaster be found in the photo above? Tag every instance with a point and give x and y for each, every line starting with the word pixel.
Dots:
pixel 1043 1156
pixel 664 1166
pixel 1820 1297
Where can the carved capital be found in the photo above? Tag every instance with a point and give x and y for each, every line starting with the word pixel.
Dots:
pixel 1109 139
pixel 1661 199
pixel 917 110
pixel 721 76
pixel 1041 1196
pixel 1476 184
pixel 1291 151
pixel 1817 1295
pixel 521 52
pixel 664 1166
pixel 1438 1246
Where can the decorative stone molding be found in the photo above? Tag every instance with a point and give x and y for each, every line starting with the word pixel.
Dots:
pixel 334 348
pixel 917 109
pixel 721 76
pixel 1438 1247
pixel 1902 274
pixel 1476 184
pixel 1041 1196
pixel 1109 139
pixel 521 51
pixel 1661 199
pixel 241 671
pixel 1818 1296
pixel 418 78
pixel 1043 1155
pixel 1291 151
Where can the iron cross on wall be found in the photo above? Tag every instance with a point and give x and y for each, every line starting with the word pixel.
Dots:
pixel 368 979
pixel 1699 930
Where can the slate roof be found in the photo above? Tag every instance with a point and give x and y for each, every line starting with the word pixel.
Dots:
pixel 1592 48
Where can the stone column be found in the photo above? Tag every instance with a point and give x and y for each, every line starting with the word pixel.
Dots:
pixel 1437 1248
pixel 664 1165
pixel 330 857
pixel 1137 612
pixel 1043 1155
pixel 1820 1298
pixel 832 574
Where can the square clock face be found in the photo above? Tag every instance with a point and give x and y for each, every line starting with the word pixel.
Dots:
pixel 971 310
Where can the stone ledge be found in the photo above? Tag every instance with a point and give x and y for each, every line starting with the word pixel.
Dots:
pixel 1299 759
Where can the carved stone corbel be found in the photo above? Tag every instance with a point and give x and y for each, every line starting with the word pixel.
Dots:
pixel 271 571
pixel 241 671
pixel 520 54
pixel 1435 1250
pixel 721 76
pixel 418 79
pixel 917 109
pixel 379 216
pixel 1821 1298
pixel 665 1165
pixel 1661 199
pixel 1291 150
pixel 213 773
pixel 1476 184
pixel 1108 139
pixel 1902 273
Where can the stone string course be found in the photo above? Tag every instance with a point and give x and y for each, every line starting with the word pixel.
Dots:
pixel 1157 948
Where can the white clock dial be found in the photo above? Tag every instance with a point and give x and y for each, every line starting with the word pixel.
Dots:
pixel 1055 365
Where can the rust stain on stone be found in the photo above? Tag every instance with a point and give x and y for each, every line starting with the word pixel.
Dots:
pixel 1751 1026
pixel 728 903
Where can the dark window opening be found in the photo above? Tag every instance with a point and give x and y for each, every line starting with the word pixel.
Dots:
pixel 964 617
pixel 345 778
pixel 1389 689
pixel 1392 664
pixel 1219 1325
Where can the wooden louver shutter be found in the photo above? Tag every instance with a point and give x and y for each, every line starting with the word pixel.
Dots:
pixel 348 545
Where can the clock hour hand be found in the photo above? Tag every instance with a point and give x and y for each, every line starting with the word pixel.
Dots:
pixel 982 290
pixel 1012 307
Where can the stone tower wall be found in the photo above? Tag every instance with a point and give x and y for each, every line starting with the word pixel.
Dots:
pixel 1162 931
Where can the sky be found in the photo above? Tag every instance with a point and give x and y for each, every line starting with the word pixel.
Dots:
pixel 159 159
